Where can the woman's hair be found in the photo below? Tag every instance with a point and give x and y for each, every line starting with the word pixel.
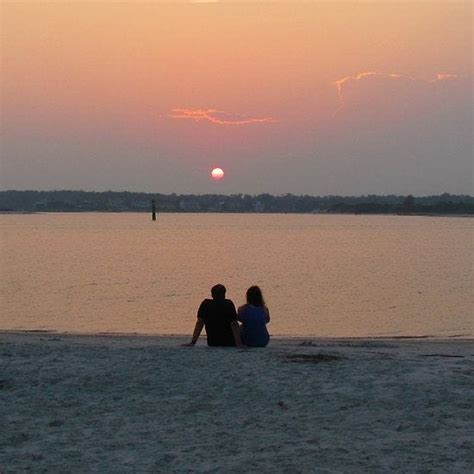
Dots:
pixel 254 296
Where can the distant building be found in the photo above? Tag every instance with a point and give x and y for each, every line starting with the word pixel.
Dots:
pixel 217 207
pixel 166 206
pixel 189 205
pixel 59 206
pixel 233 206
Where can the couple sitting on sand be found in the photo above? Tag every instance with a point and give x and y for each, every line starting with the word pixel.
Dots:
pixel 220 319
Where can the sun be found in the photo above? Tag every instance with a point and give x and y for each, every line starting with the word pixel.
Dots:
pixel 217 174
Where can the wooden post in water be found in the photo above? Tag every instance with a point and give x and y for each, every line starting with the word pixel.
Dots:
pixel 153 210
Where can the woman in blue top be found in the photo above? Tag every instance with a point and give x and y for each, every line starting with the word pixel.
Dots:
pixel 254 317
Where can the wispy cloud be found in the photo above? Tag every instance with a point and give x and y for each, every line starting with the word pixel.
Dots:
pixel 341 84
pixel 217 117
pixel 444 77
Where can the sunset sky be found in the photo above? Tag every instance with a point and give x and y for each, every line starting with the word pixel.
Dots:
pixel 307 98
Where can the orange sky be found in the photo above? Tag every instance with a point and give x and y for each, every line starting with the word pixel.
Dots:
pixel 80 74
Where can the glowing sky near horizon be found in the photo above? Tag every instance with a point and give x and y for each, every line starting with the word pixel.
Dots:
pixel 307 98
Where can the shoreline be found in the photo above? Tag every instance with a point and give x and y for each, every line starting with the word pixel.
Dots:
pixel 273 338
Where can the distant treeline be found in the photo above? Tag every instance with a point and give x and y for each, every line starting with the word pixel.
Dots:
pixel 84 201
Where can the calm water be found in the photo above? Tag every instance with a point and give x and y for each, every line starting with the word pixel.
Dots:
pixel 321 275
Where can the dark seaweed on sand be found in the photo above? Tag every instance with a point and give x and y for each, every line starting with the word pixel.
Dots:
pixel 312 358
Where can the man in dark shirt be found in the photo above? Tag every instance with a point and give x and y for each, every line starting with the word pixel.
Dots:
pixel 219 317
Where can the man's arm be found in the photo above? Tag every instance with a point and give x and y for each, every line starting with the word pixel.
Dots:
pixel 239 313
pixel 197 331
pixel 234 325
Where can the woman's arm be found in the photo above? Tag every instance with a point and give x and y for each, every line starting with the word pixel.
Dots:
pixel 267 315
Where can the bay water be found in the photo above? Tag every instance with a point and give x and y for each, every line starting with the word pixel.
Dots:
pixel 321 275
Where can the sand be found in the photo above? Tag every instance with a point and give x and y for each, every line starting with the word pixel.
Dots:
pixel 72 403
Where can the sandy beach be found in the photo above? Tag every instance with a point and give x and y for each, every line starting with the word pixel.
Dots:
pixel 72 403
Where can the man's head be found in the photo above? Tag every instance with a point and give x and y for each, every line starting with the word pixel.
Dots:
pixel 218 292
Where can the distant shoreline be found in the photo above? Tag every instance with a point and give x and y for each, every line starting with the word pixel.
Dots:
pixel 115 201
pixel 415 214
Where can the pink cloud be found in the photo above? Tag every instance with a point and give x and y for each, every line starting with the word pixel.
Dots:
pixel 217 117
